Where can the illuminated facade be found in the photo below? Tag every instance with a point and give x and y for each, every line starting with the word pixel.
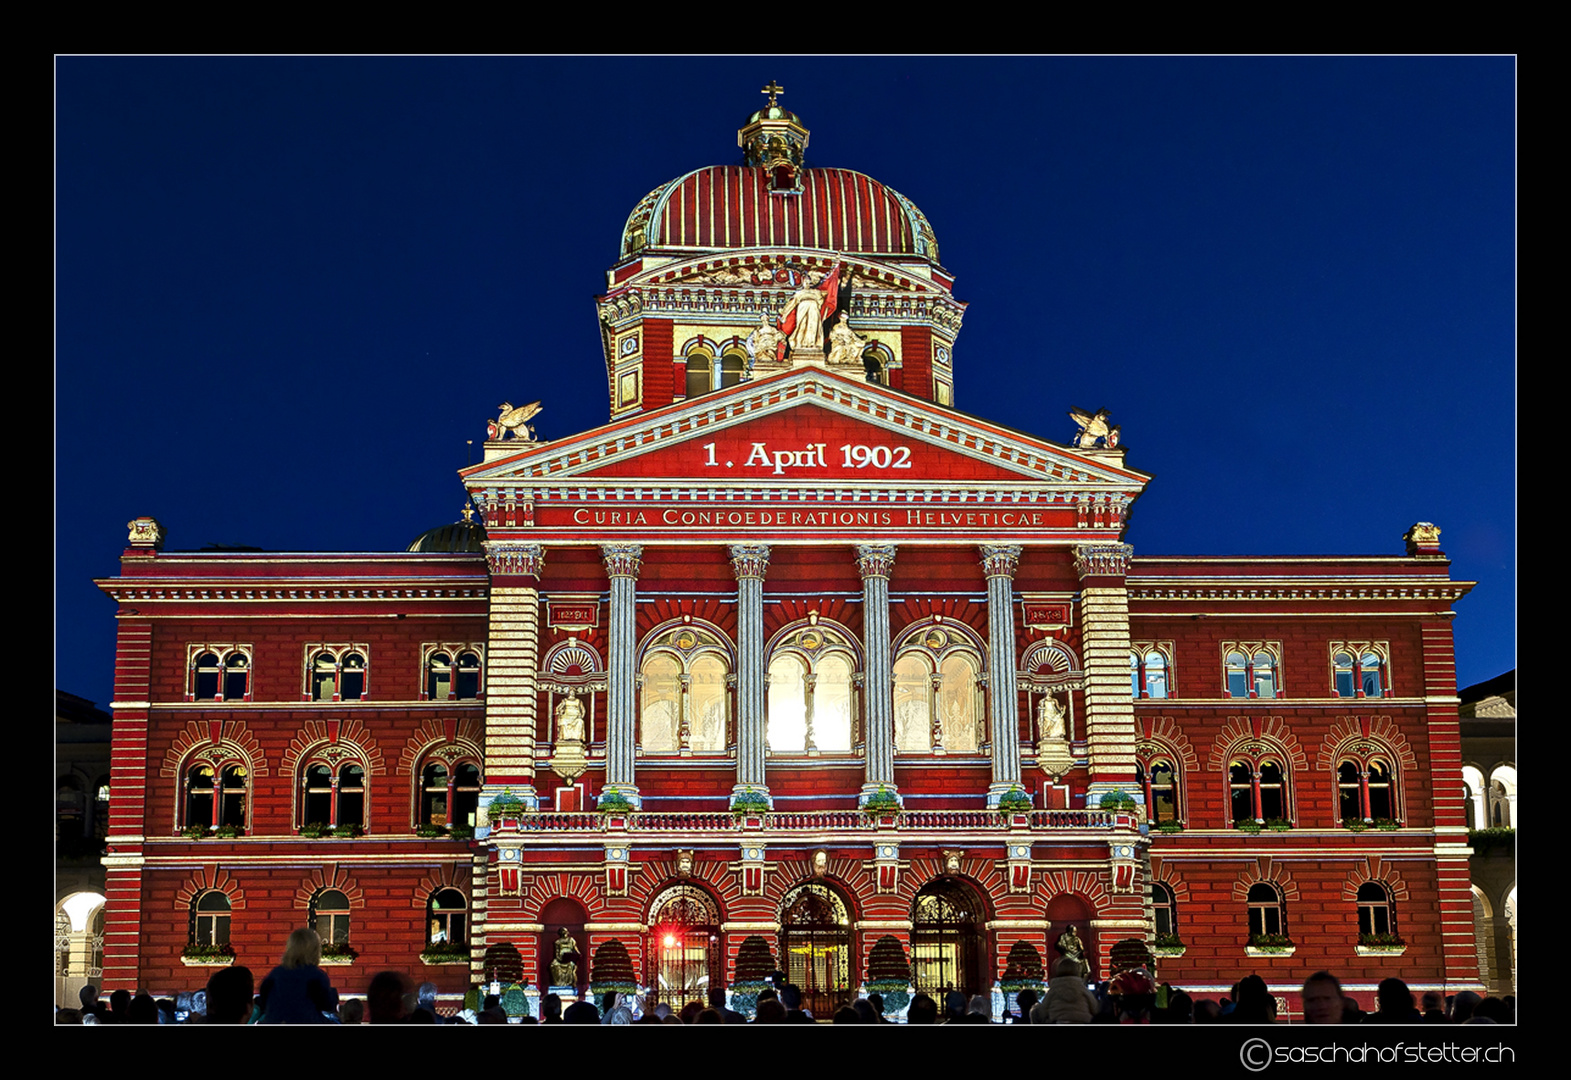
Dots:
pixel 788 655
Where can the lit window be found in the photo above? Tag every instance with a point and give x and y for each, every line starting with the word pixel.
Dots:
pixel 333 797
pixel 1258 790
pixel 685 699
pixel 445 916
pixel 1161 790
pixel 216 796
pixel 337 674
pixel 938 694
pixel 810 694
pixel 1150 670
pixel 1360 670
pixel 1366 790
pixel 330 916
pixel 449 796
pixel 1251 670
pixel 1376 912
pixel 220 673
pixel 210 919
pixel 1266 915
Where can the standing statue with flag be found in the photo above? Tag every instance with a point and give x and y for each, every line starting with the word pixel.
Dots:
pixel 802 319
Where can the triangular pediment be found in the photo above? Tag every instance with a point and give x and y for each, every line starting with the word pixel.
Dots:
pixel 806 426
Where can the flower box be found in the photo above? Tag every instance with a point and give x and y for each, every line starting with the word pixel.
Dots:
pixel 1269 950
pixel 1380 950
pixel 207 961
pixel 441 959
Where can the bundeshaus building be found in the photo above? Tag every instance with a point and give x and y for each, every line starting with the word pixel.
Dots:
pixel 790 665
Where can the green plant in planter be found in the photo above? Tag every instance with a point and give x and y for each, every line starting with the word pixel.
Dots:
pixel 1485 839
pixel 882 801
pixel 315 830
pixel 1385 824
pixel 1117 800
pixel 430 830
pixel 1354 824
pixel 444 953
pixel 747 802
pixel 1249 825
pixel 1381 941
pixel 1014 801
pixel 1270 941
pixel 1170 827
pixel 1168 940
pixel 462 832
pixel 506 804
pixel 348 832
pixel 889 973
pixel 1277 824
pixel 227 832
pixel 613 802
pixel 339 949
pixel 208 952
pixel 194 832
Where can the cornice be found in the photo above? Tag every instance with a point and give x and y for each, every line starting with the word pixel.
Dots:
pixel 138 589
pixel 1357 587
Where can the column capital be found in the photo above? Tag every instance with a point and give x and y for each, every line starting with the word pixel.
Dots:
pixel 504 558
pixel 875 560
pixel 750 561
pixel 622 560
pixel 1103 560
pixel 1000 560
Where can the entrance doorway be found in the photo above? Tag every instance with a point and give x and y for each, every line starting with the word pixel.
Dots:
pixel 685 957
pixel 949 940
pixel 815 946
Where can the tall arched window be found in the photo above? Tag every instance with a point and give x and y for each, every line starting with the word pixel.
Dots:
pixel 1376 914
pixel 1267 915
pixel 216 795
pixel 685 957
pixel 1258 790
pixel 332 795
pixel 337 673
pixel 1160 780
pixel 938 698
pixel 1164 912
pixel 685 703
pixel 811 705
pixel 1366 790
pixel 1150 669
pixel 330 916
pixel 446 918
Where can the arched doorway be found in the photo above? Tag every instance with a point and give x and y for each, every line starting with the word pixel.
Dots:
pixel 685 956
pixel 949 940
pixel 815 947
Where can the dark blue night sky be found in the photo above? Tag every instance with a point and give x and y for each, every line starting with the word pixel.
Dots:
pixel 289 290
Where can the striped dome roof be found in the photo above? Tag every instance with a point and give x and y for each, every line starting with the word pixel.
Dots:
pixel 732 206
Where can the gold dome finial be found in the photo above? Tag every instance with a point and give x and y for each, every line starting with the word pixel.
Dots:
pixel 775 139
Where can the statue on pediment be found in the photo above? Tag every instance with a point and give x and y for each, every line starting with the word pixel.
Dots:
pixel 802 318
pixel 515 421
pixel 1094 428
pixel 763 344
pixel 845 344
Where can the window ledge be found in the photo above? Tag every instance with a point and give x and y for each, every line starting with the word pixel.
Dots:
pixel 207 961
pixel 336 961
pixel 444 961
pixel 1380 950
pixel 1269 950
pixel 1169 950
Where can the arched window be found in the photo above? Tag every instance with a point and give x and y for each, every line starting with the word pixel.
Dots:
pixel 938 696
pixel 452 674
pixel 816 947
pixel 337 673
pixel 1360 669
pixel 700 372
pixel 1251 669
pixel 1164 912
pixel 1267 916
pixel 449 795
pixel 332 796
pixel 1376 914
pixel 686 695
pixel 210 919
pixel 811 705
pixel 330 916
pixel 1150 669
pixel 1258 790
pixel 685 957
pixel 446 918
pixel 220 673
pixel 733 365
pixel 1502 797
pixel 948 940
pixel 216 796
pixel 1160 780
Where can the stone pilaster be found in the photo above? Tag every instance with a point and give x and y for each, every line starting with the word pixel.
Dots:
pixel 1110 714
pixel 874 562
pixel 622 564
pixel 999 563
pixel 512 668
pixel 750 563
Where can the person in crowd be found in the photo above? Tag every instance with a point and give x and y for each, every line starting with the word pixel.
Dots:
pixel 1068 1000
pixel 351 1012
pixel 297 991
pixel 923 1010
pixel 228 997
pixel 1433 1012
pixel 1322 999
pixel 1394 1004
pixel 1252 1003
pixel 384 997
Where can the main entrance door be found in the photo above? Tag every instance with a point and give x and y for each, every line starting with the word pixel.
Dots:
pixel 685 957
pixel 948 940
pixel 815 946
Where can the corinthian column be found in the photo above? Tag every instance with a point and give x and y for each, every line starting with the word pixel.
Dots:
pixel 512 665
pixel 999 563
pixel 622 563
pixel 874 562
pixel 751 563
pixel 1110 715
